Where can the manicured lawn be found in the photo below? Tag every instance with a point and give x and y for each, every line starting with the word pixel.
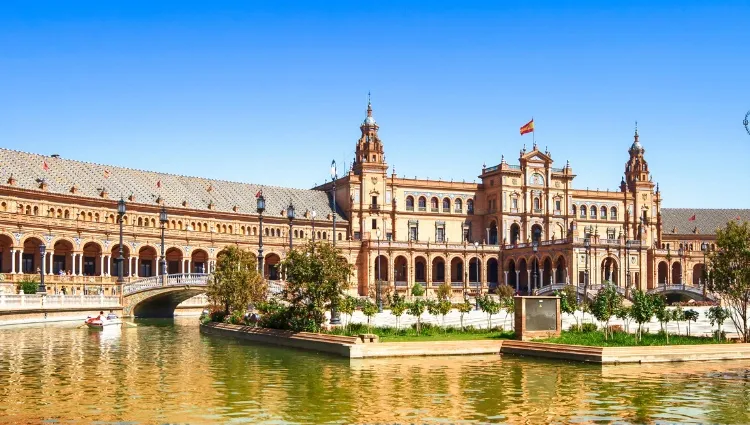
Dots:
pixel 622 339
pixel 428 333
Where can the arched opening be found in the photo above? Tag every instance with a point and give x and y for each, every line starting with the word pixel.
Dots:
pixel 458 205
pixel 409 203
pixel 523 276
pixel 446 205
pixel 91 253
pixel 603 213
pixel 434 204
pixel 30 260
pixel 535 267
pixel 515 233
pixel 676 273
pixel 493 272
pixel 381 268
pixel 6 243
pixel 198 261
pixel 662 273
pixel 438 269
pixel 536 233
pixel 271 269
pixel 609 270
pixel 613 213
pixel 698 275
pixel 400 269
pixel 583 211
pixel 470 206
pixel 493 233
pixel 422 203
pixel 113 263
pixel 147 258
pixel 457 271
pixel 475 269
pixel 560 270
pixel 420 270
pixel 547 277
pixel 512 278
pixel 174 260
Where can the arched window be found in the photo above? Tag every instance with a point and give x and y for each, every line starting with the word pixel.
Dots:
pixel 230 230
pixel 325 235
pixel 67 214
pixel 592 212
pixel 140 221
pixel 613 213
pixel 422 203
pixel 339 236
pixel 296 234
pixel 446 205
pixel 28 210
pixel 575 211
pixel 603 213
pixel 537 206
pixel 583 211
pixel 434 204
pixel 470 206
pixel 59 213
pixel 267 230
pixel 458 206
pixel 409 203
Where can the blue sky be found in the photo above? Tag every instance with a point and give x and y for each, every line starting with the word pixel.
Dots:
pixel 270 91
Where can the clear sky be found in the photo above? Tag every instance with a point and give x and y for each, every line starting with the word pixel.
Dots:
pixel 270 91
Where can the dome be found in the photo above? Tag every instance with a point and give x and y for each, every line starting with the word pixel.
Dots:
pixel 370 120
pixel 636 145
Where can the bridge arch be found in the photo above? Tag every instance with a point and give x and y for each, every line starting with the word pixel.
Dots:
pixel 159 296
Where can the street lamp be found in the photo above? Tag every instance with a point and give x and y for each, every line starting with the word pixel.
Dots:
pixel 535 263
pixel 121 209
pixel 335 319
pixel 704 248
pixel 260 202
pixel 587 249
pixel 290 216
pixel 476 262
pixel 42 250
pixel 627 269
pixel 313 214
pixel 377 287
pixel 163 261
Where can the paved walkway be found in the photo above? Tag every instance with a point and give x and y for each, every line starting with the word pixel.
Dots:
pixel 478 319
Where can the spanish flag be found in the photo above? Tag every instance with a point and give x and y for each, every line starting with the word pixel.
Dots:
pixel 528 127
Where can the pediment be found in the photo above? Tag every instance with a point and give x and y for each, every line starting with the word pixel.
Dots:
pixel 536 156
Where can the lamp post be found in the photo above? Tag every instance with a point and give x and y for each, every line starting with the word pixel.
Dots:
pixel 42 250
pixel 335 319
pixel 377 287
pixel 679 254
pixel 704 248
pixel 290 216
pixel 627 269
pixel 535 263
pixel 121 209
pixel 587 249
pixel 260 203
pixel 163 261
pixel 313 214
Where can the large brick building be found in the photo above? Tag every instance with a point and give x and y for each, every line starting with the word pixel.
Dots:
pixel 523 224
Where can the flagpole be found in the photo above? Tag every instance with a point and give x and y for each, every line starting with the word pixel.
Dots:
pixel 533 132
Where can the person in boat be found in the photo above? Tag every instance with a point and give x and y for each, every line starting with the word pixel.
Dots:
pixel 111 315
pixel 101 316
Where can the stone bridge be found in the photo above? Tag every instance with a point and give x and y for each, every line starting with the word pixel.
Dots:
pixel 158 296
pixel 690 291
pixel 591 290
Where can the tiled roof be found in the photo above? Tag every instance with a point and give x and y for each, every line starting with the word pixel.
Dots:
pixel 90 179
pixel 707 220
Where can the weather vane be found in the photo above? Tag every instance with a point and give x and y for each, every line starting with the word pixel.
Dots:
pixel 746 122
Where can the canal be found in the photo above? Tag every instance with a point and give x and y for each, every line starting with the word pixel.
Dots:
pixel 166 372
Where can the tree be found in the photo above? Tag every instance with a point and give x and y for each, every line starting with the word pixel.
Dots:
pixel 463 308
pixel 28 285
pixel 508 304
pixel 347 305
pixel 416 308
pixel 444 307
pixel 417 290
pixel 433 308
pixel 691 316
pixel 369 309
pixel 730 273
pixel 398 308
pixel 678 315
pixel 568 301
pixel 641 311
pixel 236 282
pixel 488 305
pixel 662 313
pixel 717 315
pixel 625 314
pixel 316 276
pixel 606 304
pixel 444 291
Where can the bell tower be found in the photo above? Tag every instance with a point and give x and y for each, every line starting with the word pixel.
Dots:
pixel 643 207
pixel 369 155
pixel 636 169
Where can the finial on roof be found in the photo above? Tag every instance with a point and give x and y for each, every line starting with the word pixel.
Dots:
pixel 502 158
pixel 484 165
pixel 657 187
pixel 11 180
pixel 567 163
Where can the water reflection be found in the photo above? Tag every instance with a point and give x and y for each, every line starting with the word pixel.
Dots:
pixel 165 371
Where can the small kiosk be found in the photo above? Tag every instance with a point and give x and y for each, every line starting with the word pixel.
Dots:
pixel 537 317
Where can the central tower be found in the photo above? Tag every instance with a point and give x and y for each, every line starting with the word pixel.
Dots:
pixel 369 155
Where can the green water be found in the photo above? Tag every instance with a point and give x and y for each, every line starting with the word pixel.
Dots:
pixel 166 372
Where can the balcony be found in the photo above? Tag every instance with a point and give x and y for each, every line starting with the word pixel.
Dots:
pixel 447 210
pixel 374 207
pixel 410 208
pixel 422 209
pixel 538 211
pixel 435 210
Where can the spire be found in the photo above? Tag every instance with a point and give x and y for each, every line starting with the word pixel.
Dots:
pixel 636 146
pixel 369 120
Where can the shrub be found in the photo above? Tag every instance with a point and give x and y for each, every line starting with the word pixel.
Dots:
pixel 417 290
pixel 584 327
pixel 28 286
pixel 217 316
pixel 444 291
pixel 505 291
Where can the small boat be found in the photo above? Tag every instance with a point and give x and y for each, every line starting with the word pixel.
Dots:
pixel 97 323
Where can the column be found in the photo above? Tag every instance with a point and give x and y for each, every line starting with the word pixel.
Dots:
pixel 506 276
pixel 134 270
pixel 189 261
pixel 518 278
pixel 80 264
pixel 101 264
pixel 428 272
pixel 567 276
pixel 541 277
pixel 482 273
pixel 447 271
pixel 12 261
pixel 528 279
pixel 182 266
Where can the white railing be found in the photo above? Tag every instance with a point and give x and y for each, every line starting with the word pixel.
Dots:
pixel 698 290
pixel 182 279
pixel 275 287
pixel 20 301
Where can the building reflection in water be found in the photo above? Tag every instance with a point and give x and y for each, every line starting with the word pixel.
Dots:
pixel 165 372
